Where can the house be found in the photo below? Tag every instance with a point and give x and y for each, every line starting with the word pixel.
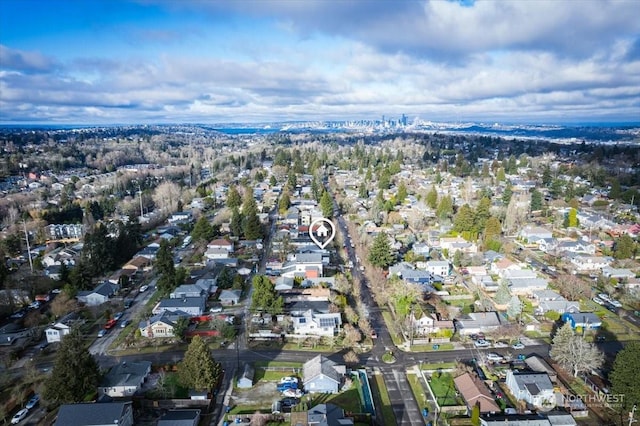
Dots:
pixel 98 295
pixel 124 379
pixel 193 306
pixel 188 290
pixel 245 380
pixel 95 414
pixel 308 265
pixel 316 324
pixel 586 320
pixel 478 322
pixel 561 418
pixel 62 327
pixel 533 233
pixel 230 297
pixel 180 418
pixel 327 415
pixel 284 283
pixel 221 243
pixel 181 217
pixel 425 324
pixel 590 263
pixel 514 420
pixel 526 286
pixel 139 264
pixel 321 375
pixel 160 325
pixel 438 267
pixel 216 253
pixel 534 388
pixel 502 265
pixel 618 273
pixel 150 251
pixel 474 391
pixel 560 306
pixel 576 247
pixel 121 276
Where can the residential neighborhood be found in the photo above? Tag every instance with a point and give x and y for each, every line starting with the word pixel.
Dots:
pixel 448 291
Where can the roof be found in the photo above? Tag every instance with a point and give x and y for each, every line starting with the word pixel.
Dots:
pixel 91 413
pixel 126 374
pixel 584 317
pixel 179 418
pixel 182 302
pixel 474 391
pixel 230 294
pixel 327 415
pixel 538 364
pixel 320 365
pixel 533 382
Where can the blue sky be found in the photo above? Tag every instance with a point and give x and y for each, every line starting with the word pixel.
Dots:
pixel 211 61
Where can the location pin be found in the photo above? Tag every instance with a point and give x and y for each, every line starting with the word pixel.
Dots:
pixel 325 230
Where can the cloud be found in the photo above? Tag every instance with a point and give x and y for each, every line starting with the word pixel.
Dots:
pixel 29 62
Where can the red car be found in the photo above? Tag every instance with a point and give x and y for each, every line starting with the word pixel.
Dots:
pixel 110 324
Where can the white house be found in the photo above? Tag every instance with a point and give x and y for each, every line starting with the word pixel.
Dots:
pixel 124 379
pixel 58 330
pixel 193 306
pixel 590 263
pixel 221 243
pixel 317 324
pixel 533 233
pixel 534 388
pixel 438 267
pixel 99 295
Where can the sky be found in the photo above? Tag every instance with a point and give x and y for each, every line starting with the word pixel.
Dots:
pixel 250 61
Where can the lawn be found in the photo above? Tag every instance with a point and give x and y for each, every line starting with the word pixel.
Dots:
pixel 348 400
pixel 444 389
pixel 419 392
pixel 429 347
pixel 382 401
pixel 438 366
pixel 170 389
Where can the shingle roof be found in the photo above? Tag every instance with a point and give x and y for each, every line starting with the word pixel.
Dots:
pixel 320 365
pixel 126 374
pixel 91 414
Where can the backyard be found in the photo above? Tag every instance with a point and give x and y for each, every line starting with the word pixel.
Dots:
pixel 444 389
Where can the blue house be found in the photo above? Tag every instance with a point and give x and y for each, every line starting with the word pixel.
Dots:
pixel 586 320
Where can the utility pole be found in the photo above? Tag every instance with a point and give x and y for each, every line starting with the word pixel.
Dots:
pixel 26 239
pixel 141 211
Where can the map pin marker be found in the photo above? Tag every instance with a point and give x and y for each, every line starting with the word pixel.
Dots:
pixel 325 230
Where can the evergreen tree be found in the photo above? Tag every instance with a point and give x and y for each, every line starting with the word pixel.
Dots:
pixel 233 197
pixel 432 198
pixel 251 226
pixel 500 175
pixel 572 352
pixel 236 222
pixel 265 297
pixel 445 208
pixel 536 200
pixel 464 219
pixel 165 267
pixel 514 308
pixel 284 203
pixel 492 229
pixel 380 254
pixel 272 181
pixel 203 230
pixel 624 247
pixel 546 176
pixel 402 193
pixel 482 214
pixel 198 370
pixel 75 372
pixel 624 376
pixel 507 194
pixel 326 205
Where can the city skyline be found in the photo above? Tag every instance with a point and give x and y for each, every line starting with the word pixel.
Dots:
pixel 148 61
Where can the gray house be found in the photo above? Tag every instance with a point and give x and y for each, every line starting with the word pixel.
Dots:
pixel 98 295
pixel 230 297
pixel 246 378
pixel 327 415
pixel 321 375
pixel 125 379
pixel 478 322
pixel 193 306
pixel 180 418
pixel 95 414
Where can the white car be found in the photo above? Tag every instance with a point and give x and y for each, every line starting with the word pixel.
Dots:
pixel 144 288
pixel 598 300
pixel 500 345
pixel 604 296
pixel 20 416
pixel 289 379
pixel 615 303
pixel 494 357
pixel 518 345
pixel 481 343
pixel 293 393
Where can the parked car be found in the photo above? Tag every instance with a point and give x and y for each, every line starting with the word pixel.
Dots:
pixel 286 386
pixel 615 303
pixel 604 296
pixel 125 323
pixel 598 300
pixel 144 288
pixel 128 303
pixel 102 332
pixel 481 343
pixel 289 379
pixel 118 315
pixel 500 345
pixel 518 345
pixel 20 416
pixel 293 393
pixel 494 357
pixel 110 324
pixel 290 402
pixel 32 402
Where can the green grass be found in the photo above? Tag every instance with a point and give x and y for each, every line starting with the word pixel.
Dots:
pixel 349 400
pixel 444 389
pixel 382 401
pixel 419 392
pixel 429 347
pixel 172 387
pixel 438 365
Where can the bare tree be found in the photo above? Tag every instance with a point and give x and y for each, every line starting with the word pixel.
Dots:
pixel 351 335
pixel 62 305
pixel 573 287
pixel 575 354
pixel 351 357
pixel 166 196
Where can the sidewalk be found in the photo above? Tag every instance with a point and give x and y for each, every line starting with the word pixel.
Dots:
pixel 223 399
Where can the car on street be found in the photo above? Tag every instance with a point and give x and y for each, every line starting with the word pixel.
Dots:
pixel 125 323
pixel 19 416
pixel 500 345
pixel 481 343
pixel 110 324
pixel 118 315
pixel 32 402
pixel 598 300
pixel 102 332
pixel 494 357
pixel 518 345
pixel 144 288
pixel 616 303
